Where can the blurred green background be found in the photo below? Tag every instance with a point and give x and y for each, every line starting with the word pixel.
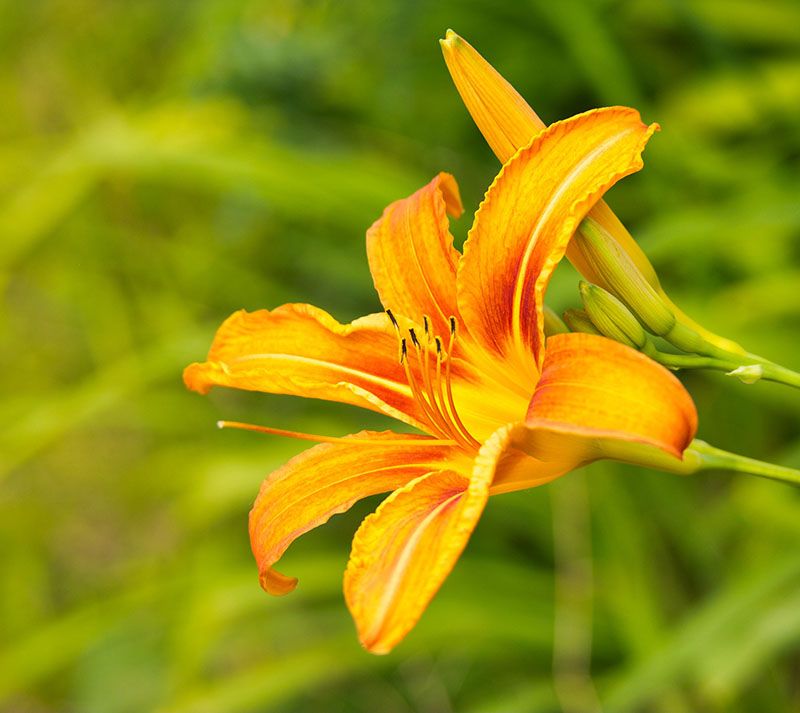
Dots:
pixel 163 164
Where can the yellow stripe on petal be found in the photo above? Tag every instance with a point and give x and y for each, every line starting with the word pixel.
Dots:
pixel 326 480
pixel 404 551
pixel 411 254
pixel 301 350
pixel 527 218
pixel 600 399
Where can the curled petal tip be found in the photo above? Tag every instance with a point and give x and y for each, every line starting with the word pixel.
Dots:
pixel 194 377
pixel 275 583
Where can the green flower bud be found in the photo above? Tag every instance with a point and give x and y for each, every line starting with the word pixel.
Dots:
pixel 553 323
pixel 621 274
pixel 611 317
pixel 578 321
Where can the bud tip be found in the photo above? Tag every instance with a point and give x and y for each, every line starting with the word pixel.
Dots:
pixel 450 40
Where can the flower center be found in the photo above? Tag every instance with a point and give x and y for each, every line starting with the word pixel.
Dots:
pixel 431 385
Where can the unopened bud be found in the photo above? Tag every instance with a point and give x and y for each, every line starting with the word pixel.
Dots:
pixel 609 260
pixel 687 340
pixel 502 115
pixel 553 323
pixel 578 321
pixel 611 317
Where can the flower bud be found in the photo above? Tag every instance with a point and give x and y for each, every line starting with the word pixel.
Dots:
pixel 578 321
pixel 611 317
pixel 504 118
pixel 623 277
pixel 687 340
pixel 553 323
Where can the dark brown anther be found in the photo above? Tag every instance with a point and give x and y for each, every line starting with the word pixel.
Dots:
pixel 438 345
pixel 403 350
pixel 453 326
pixel 392 318
pixel 414 337
pixel 426 324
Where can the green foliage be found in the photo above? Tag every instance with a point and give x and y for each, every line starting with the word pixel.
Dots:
pixel 163 164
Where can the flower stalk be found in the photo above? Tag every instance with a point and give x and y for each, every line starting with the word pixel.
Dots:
pixel 701 456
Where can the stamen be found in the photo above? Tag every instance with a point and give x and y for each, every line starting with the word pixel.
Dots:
pixel 433 394
pixel 448 418
pixel 420 398
pixel 335 439
pixel 457 435
pixel 436 411
pixel 449 387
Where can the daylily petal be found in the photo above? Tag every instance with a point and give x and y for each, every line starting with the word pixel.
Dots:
pixel 597 398
pixel 404 551
pixel 301 350
pixel 527 218
pixel 327 479
pixel 519 470
pixel 411 254
pixel 508 123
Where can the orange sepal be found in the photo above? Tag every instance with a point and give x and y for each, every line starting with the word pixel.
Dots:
pixel 411 254
pixel 527 218
pixel 597 398
pixel 327 479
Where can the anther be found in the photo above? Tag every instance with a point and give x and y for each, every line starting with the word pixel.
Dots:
pixel 453 326
pixel 392 318
pixel 403 350
pixel 438 345
pixel 426 324
pixel 413 337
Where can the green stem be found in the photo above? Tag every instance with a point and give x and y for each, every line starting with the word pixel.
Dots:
pixel 688 340
pixel 728 362
pixel 780 374
pixel 690 361
pixel 702 456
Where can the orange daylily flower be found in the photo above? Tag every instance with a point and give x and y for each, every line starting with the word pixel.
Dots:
pixel 508 123
pixel 499 409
